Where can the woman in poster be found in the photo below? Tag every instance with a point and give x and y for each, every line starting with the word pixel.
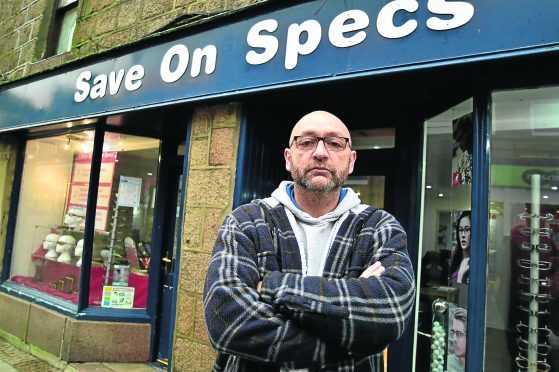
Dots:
pixel 460 262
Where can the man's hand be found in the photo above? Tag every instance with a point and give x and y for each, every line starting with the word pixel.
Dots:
pixel 374 270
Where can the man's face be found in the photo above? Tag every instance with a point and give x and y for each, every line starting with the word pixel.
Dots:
pixel 459 338
pixel 319 170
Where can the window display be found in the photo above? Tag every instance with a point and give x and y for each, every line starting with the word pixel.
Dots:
pixel 522 296
pixel 49 234
pixel 445 245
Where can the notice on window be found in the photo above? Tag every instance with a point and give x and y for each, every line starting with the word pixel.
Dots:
pixel 129 191
pixel 118 297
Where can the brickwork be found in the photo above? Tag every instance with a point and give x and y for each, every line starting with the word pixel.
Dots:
pixel 211 178
pixel 101 25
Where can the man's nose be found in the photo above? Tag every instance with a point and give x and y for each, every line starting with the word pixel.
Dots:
pixel 320 152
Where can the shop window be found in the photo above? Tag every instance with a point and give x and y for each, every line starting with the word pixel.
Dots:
pixel 124 220
pixel 440 339
pixel 522 329
pixel 63 26
pixel 47 229
pixel 50 226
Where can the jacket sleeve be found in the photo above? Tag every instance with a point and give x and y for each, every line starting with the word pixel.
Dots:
pixel 360 315
pixel 238 322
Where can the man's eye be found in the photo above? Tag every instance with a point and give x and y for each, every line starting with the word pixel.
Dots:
pixel 306 142
pixel 335 143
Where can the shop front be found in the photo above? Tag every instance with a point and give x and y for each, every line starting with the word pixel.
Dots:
pixel 117 168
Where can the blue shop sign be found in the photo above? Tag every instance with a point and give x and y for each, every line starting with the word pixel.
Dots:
pixel 299 44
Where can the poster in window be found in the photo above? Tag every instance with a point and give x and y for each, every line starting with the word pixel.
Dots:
pixel 462 150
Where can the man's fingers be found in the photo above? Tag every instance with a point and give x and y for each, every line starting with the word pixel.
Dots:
pixel 375 269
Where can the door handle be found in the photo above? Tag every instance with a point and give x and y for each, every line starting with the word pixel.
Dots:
pixel 167 260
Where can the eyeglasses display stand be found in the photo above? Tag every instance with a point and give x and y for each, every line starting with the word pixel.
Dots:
pixel 533 342
pixel 439 332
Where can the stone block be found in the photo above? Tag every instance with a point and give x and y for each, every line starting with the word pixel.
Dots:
pixel 20 19
pixel 119 38
pixel 192 232
pixel 228 115
pixel 26 54
pixel 197 8
pixel 152 8
pixel 46 329
pixel 14 315
pixel 185 314
pixel 212 222
pixel 99 5
pixel 24 34
pixel 84 30
pixel 194 266
pixel 198 152
pixel 191 356
pixel 128 14
pixel 94 341
pixel 215 6
pixel 222 146
pixel 209 187
pixel 106 22
pixel 200 330
pixel 184 3
pixel 201 121
pixel 36 9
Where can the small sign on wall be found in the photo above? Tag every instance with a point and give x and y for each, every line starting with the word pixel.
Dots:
pixel 129 191
pixel 118 297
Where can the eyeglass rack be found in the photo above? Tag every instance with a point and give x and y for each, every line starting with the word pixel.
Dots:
pixel 439 332
pixel 533 350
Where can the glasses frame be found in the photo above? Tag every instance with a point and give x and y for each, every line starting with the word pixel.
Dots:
pixel 524 345
pixel 544 283
pixel 542 247
pixel 539 313
pixel 465 229
pixel 324 141
pixel 523 328
pixel 541 231
pixel 543 217
pixel 457 334
pixel 527 264
pixel 523 363
pixel 542 298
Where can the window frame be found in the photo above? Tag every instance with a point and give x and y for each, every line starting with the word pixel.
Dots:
pixel 83 310
pixel 61 8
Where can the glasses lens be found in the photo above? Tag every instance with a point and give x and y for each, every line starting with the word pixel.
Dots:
pixel 306 142
pixel 335 143
pixel 465 229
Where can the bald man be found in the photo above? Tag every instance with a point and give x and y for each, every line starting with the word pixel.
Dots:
pixel 309 279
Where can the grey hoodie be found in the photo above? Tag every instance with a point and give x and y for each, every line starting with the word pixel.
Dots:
pixel 315 235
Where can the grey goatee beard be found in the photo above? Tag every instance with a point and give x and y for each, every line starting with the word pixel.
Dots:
pixel 302 179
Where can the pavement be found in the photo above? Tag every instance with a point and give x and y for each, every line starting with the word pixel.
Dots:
pixel 13 359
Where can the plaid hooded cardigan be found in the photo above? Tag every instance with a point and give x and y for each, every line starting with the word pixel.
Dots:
pixel 337 322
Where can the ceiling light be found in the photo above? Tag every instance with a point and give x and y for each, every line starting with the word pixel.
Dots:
pixel 441 195
pixel 554 188
pixel 546 197
pixel 428 186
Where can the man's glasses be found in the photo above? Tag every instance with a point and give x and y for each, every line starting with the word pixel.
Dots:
pixel 542 247
pixel 308 143
pixel 456 333
pixel 527 264
pixel 465 229
pixel 541 349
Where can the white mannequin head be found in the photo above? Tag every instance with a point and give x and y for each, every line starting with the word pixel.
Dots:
pixel 65 246
pixel 75 217
pixel 79 251
pixel 50 243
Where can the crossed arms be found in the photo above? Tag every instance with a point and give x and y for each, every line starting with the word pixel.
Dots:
pixel 297 321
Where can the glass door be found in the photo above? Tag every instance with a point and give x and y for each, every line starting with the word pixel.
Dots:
pixel 444 251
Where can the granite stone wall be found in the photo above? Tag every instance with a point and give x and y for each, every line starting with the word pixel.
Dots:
pixel 209 197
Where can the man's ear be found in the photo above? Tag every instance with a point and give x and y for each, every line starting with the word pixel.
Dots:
pixel 353 157
pixel 287 156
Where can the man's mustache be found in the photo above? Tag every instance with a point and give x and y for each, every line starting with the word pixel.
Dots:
pixel 318 165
